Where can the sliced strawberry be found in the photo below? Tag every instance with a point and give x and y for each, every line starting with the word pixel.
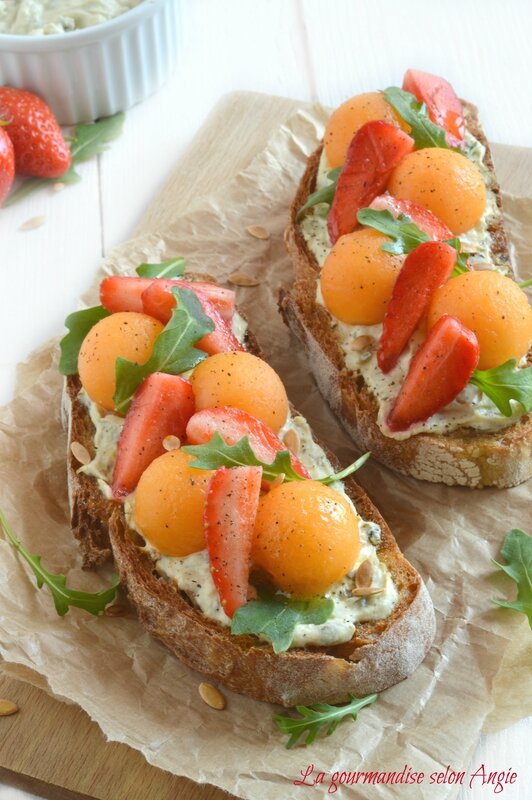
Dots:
pixel 443 105
pixel 229 517
pixel 424 270
pixel 7 164
pixel 161 407
pixel 439 371
pixel 158 302
pixel 375 150
pixel 425 220
pixel 123 293
pixel 120 293
pixel 233 424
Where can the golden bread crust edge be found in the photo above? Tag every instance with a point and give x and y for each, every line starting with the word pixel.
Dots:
pixel 464 457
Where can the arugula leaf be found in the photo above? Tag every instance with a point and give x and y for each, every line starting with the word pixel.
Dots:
pixel 276 617
pixel 406 235
pixel 504 383
pixel 92 139
pixel 79 324
pixel 525 284
pixel 174 350
pixel 424 132
pixel 517 552
pixel 173 268
pixel 314 718
pixel 216 453
pixel 63 597
pixel 89 140
pixel 323 195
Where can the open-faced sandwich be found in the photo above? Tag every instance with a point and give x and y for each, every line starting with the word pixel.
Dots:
pixel 240 547
pixel 404 297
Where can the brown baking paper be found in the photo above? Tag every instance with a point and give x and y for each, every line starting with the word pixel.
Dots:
pixel 129 683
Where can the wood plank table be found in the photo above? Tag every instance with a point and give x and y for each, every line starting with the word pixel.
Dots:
pixel 303 49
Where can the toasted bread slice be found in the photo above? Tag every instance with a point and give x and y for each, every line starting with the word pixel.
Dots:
pixel 381 654
pixel 464 457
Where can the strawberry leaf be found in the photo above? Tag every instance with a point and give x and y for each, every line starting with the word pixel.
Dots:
pixel 504 383
pixel 276 617
pixel 173 268
pixel 79 324
pixel 174 350
pixel 517 552
pixel 321 716
pixel 424 132
pixel 63 597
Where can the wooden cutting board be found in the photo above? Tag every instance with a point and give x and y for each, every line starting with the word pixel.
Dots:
pixel 54 749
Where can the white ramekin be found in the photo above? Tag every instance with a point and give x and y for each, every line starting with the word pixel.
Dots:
pixel 97 71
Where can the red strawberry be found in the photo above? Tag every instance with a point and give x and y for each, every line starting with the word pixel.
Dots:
pixel 7 164
pixel 120 293
pixel 375 150
pixel 425 220
pixel 233 424
pixel 158 302
pixel 162 406
pixel 40 149
pixel 424 270
pixel 439 371
pixel 230 512
pixel 443 105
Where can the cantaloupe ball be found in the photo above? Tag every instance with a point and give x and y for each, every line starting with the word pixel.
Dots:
pixel 125 334
pixel 494 307
pixel 358 277
pixel 306 537
pixel 445 182
pixel 241 380
pixel 349 117
pixel 169 504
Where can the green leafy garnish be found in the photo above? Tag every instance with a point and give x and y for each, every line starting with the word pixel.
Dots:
pixel 315 718
pixel 89 140
pixel 79 324
pixel 525 284
pixel 174 350
pixel 517 552
pixel 64 598
pixel 504 383
pixel 323 195
pixel 276 617
pixel 406 235
pixel 216 453
pixel 424 132
pixel 173 268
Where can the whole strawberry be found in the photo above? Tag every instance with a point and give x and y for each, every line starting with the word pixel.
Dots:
pixel 7 164
pixel 40 149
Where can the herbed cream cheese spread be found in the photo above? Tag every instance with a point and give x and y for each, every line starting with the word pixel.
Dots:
pixel 45 17
pixel 471 408
pixel 192 573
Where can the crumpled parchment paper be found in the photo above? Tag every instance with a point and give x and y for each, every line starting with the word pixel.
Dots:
pixel 140 694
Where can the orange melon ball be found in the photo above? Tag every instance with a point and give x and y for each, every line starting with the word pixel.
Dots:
pixel 241 380
pixel 358 277
pixel 349 117
pixel 169 504
pixel 494 307
pixel 445 182
pixel 125 334
pixel 306 537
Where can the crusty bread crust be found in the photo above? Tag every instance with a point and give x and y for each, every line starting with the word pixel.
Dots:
pixel 465 457
pixel 381 653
